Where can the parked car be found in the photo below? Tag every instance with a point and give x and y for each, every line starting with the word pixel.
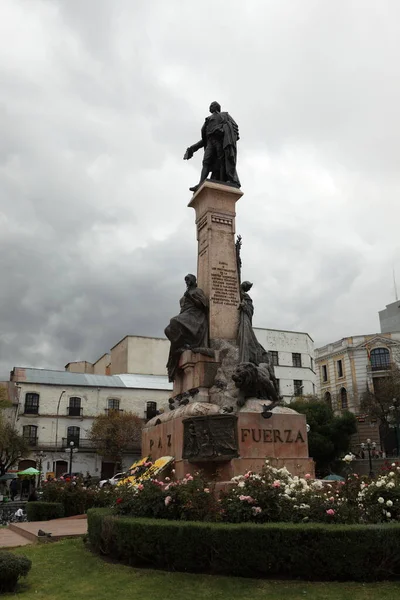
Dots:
pixel 71 475
pixel 113 480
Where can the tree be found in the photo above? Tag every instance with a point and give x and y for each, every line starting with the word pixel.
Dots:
pixel 4 400
pixel 12 445
pixel 115 433
pixel 378 403
pixel 329 436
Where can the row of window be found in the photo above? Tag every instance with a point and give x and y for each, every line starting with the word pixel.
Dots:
pixel 342 399
pixel 296 359
pixel 30 435
pixel 339 370
pixel 74 408
pixel 379 359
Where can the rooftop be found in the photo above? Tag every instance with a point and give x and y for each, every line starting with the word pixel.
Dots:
pixel 66 378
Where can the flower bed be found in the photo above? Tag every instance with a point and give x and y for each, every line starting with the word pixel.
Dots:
pixel 273 495
pixel 277 550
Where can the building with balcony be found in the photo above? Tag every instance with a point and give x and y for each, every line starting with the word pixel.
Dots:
pixel 346 369
pixel 54 408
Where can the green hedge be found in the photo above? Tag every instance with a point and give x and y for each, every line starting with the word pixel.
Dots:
pixel 11 568
pixel 273 550
pixel 44 511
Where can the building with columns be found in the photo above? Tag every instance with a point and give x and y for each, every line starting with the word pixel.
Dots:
pixel 349 367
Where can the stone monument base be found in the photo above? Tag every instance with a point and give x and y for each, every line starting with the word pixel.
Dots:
pixel 200 437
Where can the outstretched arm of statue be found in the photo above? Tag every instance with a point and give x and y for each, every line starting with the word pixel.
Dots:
pixel 192 149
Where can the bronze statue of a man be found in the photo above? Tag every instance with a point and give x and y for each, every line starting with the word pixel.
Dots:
pixel 219 136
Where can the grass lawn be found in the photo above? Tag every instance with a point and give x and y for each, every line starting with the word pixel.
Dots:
pixel 65 570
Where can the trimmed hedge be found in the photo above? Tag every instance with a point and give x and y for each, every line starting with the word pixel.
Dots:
pixel 44 511
pixel 272 550
pixel 11 568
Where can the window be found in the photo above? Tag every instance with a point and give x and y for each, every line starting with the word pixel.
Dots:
pixel 324 371
pixel 74 408
pixel 343 398
pixel 298 387
pixel 296 357
pixel 312 363
pixel 328 399
pixel 113 404
pixel 339 366
pixel 31 404
pixel 274 357
pixel 380 359
pixel 73 434
pixel 151 410
pixel 29 433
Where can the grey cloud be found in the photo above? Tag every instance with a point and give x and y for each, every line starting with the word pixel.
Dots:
pixel 98 101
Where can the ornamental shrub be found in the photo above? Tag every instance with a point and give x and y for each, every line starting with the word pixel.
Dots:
pixel 189 499
pixel 44 511
pixel 11 568
pixel 273 495
pixel 75 496
pixel 272 550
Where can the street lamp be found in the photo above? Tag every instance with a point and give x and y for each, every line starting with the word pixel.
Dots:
pixel 71 451
pixel 40 456
pixel 369 446
pixel 58 409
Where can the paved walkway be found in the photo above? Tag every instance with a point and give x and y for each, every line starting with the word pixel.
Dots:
pixel 20 534
pixel 10 539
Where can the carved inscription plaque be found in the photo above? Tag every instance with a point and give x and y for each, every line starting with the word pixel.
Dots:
pixel 224 285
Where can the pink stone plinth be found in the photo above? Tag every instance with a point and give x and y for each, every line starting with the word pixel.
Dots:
pixel 166 438
pixel 217 274
pixel 195 371
pixel 281 439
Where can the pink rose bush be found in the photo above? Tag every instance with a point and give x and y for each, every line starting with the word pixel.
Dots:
pixel 189 499
pixel 273 495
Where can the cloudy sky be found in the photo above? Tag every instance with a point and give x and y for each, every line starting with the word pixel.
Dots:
pixel 98 101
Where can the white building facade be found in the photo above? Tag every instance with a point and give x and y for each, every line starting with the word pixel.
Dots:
pixel 51 409
pixel 292 354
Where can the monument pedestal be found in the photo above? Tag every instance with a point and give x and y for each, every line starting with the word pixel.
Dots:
pixel 217 273
pixel 223 446
pixel 195 371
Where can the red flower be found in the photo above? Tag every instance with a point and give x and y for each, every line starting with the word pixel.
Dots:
pixel 67 479
pixel 119 500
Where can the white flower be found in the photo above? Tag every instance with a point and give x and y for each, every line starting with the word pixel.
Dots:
pixel 381 500
pixel 388 514
pixel 348 458
pixel 390 485
pixel 389 503
pixel 378 484
pixel 391 474
pixel 393 464
pixel 241 484
pixel 317 484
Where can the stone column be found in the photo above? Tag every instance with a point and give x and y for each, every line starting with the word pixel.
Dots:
pixel 217 274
